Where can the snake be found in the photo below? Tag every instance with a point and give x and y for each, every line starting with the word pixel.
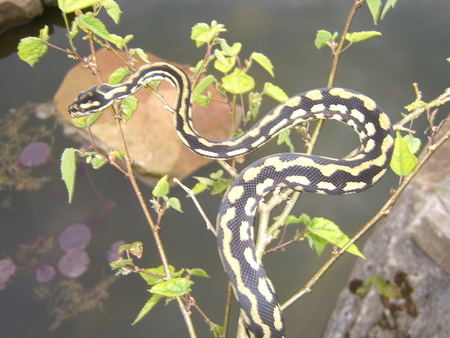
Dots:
pixel 252 287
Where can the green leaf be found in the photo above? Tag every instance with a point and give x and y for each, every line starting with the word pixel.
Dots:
pixel 89 23
pixel 120 263
pixel 141 53
pixel 198 188
pixel 414 143
pixel 118 75
pixel 361 36
pixel 220 186
pixel 291 219
pixel 204 180
pixel 330 232
pixel 238 82
pixel 223 63
pixel 197 272
pixel 86 121
pixel 174 287
pixel 162 188
pixel 200 88
pixel 98 161
pixel 317 243
pixel 403 161
pixel 153 300
pixel 388 5
pixel 415 105
pixel 129 105
pixel 275 92
pixel 69 170
pixel 43 34
pixel 31 50
pixel 135 248
pixel 323 38
pixel 374 7
pixel 216 175
pixel 263 62
pixel 203 33
pixel 113 10
pixel 174 203
pixel 151 279
pixel 69 6
pixel 284 137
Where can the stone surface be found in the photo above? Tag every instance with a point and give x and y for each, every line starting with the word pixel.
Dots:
pixel 14 12
pixel 151 137
pixel 410 249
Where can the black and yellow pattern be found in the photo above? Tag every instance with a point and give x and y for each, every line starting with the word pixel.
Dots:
pixel 311 173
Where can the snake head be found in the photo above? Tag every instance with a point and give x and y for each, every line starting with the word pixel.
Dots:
pixel 88 102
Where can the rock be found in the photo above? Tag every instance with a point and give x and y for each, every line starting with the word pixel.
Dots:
pixel 152 141
pixel 14 12
pixel 410 249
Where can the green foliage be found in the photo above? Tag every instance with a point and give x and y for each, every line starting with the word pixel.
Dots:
pixel 361 36
pixel 403 161
pixel 216 183
pixel 69 170
pixel 32 49
pixel 384 288
pixel 375 8
pixel 321 230
pixel 162 190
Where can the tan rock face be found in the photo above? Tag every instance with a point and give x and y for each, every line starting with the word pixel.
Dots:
pixel 152 141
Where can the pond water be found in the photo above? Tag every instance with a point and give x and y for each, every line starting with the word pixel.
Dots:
pixel 413 48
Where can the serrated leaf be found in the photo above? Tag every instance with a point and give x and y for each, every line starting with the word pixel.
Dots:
pixel 291 219
pixel 275 92
pixel 69 6
pixel 361 36
pixel 374 7
pixel 414 143
pixel 284 137
pixel 118 75
pixel 162 188
pixel 174 203
pixel 203 33
pixel 31 50
pixel 113 10
pixel 43 34
pixel 69 170
pixel 403 161
pixel 330 232
pixel 153 300
pixel 263 62
pixel 129 105
pixel 197 272
pixel 175 287
pixel 88 22
pixel 323 38
pixel 238 82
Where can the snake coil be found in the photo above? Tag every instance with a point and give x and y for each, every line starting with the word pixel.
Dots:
pixel 318 174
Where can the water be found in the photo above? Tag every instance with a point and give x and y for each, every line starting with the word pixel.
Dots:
pixel 413 48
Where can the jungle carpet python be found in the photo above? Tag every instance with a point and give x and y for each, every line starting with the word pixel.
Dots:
pixel 323 175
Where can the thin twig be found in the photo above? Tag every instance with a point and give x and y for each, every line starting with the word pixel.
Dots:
pixel 191 194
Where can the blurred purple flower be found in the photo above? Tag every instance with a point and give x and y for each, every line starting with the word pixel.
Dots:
pixel 74 263
pixel 75 236
pixel 45 273
pixel 7 269
pixel 34 154
pixel 112 254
